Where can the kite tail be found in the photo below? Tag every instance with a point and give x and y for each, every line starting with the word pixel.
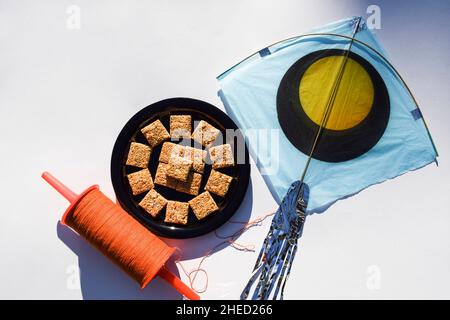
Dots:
pixel 274 261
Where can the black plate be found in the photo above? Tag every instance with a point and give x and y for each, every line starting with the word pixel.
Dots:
pixel 199 110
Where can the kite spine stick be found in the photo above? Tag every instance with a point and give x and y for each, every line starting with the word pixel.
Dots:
pixel 331 100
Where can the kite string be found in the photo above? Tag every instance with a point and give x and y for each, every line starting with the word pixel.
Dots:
pixel 227 239
pixel 330 101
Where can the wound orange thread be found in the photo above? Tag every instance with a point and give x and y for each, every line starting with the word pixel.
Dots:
pixel 120 237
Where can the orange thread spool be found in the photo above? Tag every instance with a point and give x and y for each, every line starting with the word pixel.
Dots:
pixel 117 235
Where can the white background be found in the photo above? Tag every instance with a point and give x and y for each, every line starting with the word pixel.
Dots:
pixel 65 94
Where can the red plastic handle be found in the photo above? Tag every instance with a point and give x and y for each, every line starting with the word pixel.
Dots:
pixel 179 285
pixel 60 187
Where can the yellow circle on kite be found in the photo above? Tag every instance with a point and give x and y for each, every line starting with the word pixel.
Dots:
pixel 354 97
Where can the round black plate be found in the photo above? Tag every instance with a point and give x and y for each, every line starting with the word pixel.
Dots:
pixel 199 110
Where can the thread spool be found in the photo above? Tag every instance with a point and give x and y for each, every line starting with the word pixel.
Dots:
pixel 117 235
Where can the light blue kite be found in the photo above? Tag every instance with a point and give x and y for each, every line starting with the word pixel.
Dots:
pixel 345 120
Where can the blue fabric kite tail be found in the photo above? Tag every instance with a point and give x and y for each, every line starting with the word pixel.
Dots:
pixel 274 261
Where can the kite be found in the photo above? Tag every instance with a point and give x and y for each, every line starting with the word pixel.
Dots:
pixel 346 118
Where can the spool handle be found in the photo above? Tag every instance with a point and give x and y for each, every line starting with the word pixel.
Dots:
pixel 60 187
pixel 179 285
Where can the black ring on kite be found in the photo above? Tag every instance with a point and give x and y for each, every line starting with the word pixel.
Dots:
pixel 333 145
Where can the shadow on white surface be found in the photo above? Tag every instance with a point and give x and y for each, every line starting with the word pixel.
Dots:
pixel 100 279
pixel 201 246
